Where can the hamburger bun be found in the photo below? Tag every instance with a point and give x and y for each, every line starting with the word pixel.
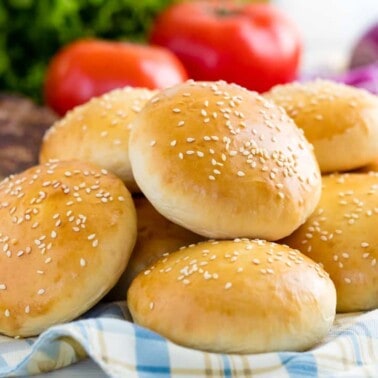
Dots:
pixel 156 237
pixel 335 118
pixel 235 297
pixel 342 236
pixel 224 162
pixel 371 167
pixel 98 132
pixel 67 230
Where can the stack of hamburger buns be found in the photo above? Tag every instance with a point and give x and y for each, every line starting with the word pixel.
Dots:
pixel 232 233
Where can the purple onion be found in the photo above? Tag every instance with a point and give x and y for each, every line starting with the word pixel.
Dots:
pixel 362 77
pixel 366 50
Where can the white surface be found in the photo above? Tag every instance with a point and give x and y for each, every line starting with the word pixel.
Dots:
pixel 329 28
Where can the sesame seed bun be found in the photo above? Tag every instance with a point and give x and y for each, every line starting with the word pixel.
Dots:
pixel 67 231
pixel 156 237
pixel 235 297
pixel 371 167
pixel 224 162
pixel 98 132
pixel 335 118
pixel 342 236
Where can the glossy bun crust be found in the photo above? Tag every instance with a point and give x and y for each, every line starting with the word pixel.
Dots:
pixel 224 162
pixel 340 121
pixel 98 132
pixel 235 297
pixel 342 236
pixel 67 230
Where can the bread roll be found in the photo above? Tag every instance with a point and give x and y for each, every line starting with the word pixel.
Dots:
pixel 224 162
pixel 98 132
pixel 371 167
pixel 235 297
pixel 156 236
pixel 342 236
pixel 66 233
pixel 339 120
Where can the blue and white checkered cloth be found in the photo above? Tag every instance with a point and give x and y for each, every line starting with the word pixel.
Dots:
pixel 123 349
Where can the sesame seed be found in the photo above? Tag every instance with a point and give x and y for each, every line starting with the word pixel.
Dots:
pixel 3 287
pixel 7 313
pixel 53 234
pixel 41 291
pixel 176 110
pixel 95 243
pixel 152 143
pixel 241 173
pixel 151 305
pixel 364 245
pixel 83 262
pixel 186 282
pixel 91 236
pixel 281 195
pixel 173 143
pixel 228 285
pixel 347 280
pixel 211 177
pixel 27 309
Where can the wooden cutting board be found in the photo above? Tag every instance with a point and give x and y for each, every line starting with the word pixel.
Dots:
pixel 22 126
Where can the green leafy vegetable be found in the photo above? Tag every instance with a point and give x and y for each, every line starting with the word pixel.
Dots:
pixel 32 31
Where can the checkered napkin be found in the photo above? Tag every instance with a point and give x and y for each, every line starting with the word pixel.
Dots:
pixel 123 349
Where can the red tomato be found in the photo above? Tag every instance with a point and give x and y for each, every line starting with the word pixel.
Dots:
pixel 88 68
pixel 254 45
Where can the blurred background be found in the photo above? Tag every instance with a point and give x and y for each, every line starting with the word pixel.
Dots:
pixel 32 31
pixel 330 29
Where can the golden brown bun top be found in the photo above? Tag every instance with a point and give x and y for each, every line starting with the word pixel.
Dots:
pixel 66 232
pixel 221 143
pixel 325 109
pixel 98 132
pixel 236 296
pixel 336 118
pixel 342 235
